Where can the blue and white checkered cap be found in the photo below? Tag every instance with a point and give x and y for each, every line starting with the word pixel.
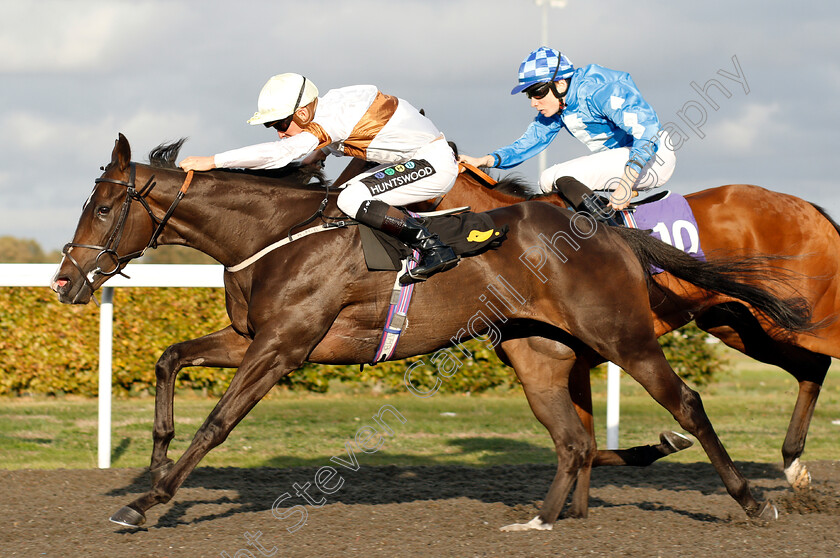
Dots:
pixel 539 67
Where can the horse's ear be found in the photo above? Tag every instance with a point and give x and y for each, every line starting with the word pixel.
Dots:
pixel 121 155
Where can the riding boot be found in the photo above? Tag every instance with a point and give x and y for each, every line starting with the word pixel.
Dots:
pixel 581 198
pixel 435 256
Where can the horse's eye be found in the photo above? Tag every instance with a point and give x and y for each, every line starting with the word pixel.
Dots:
pixel 103 210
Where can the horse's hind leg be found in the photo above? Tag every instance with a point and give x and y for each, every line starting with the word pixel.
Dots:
pixel 639 456
pixel 647 365
pixel 736 326
pixel 806 400
pixel 543 366
pixel 224 349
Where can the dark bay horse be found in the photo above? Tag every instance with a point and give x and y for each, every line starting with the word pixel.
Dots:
pixel 736 220
pixel 314 300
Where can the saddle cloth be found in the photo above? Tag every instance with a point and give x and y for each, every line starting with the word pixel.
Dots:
pixel 670 219
pixel 468 234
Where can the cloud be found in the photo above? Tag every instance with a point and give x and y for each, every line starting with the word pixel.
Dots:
pixel 748 132
pixel 34 133
pixel 36 223
pixel 78 39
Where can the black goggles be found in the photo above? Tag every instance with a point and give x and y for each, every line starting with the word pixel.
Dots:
pixel 538 90
pixel 281 125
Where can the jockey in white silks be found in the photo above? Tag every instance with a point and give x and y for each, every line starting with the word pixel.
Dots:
pixel 415 161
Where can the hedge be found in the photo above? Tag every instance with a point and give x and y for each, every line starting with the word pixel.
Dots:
pixel 50 348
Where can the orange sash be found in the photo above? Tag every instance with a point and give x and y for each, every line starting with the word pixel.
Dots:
pixel 368 126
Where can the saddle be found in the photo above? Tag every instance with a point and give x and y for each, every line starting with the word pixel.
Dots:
pixel 642 199
pixel 469 234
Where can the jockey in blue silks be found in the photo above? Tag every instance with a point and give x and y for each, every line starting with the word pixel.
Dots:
pixel 603 109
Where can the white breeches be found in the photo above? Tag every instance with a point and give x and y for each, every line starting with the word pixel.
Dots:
pixel 604 170
pixel 403 183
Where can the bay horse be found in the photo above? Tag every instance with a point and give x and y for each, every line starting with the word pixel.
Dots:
pixel 314 300
pixel 735 220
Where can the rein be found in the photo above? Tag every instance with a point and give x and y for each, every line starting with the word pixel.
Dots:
pixel 327 223
pixel 318 213
pixel 110 248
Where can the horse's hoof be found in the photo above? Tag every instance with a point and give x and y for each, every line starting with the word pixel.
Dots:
pixel 535 524
pixel 798 476
pixel 159 472
pixel 767 512
pixel 803 481
pixel 129 517
pixel 675 440
pixel 574 514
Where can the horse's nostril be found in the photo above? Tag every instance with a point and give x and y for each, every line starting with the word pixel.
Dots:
pixel 60 283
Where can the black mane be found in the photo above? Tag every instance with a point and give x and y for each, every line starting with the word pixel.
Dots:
pixel 517 186
pixel 165 155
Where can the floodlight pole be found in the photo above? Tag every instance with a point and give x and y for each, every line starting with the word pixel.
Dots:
pixel 543 158
pixel 545 4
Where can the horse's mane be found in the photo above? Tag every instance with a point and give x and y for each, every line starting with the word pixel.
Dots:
pixel 164 156
pixel 517 187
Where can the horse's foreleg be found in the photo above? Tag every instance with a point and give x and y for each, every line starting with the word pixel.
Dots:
pixel 264 364
pixel 642 456
pixel 224 349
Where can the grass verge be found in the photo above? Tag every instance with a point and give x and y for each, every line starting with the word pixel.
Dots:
pixel 750 408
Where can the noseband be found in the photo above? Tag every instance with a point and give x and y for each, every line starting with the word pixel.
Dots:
pixel 109 250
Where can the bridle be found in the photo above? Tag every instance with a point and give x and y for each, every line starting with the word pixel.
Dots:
pixel 109 249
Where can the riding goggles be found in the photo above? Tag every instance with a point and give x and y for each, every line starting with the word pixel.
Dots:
pixel 281 125
pixel 538 90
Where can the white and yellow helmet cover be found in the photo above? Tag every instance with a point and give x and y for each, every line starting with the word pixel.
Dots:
pixel 282 95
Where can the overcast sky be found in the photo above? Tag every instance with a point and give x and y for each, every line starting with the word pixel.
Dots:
pixel 76 73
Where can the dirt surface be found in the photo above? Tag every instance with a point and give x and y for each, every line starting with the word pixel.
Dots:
pixel 665 510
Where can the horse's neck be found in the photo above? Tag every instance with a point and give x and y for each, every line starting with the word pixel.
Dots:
pixel 480 198
pixel 230 217
pixel 469 192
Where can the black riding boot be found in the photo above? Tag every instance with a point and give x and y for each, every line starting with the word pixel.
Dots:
pixel 435 256
pixel 583 199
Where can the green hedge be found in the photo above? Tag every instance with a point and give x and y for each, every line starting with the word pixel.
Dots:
pixel 50 348
pixel 53 348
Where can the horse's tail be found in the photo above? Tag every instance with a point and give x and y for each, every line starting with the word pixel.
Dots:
pixel 735 277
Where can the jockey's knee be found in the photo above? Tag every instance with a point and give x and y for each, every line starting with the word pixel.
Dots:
pixel 547 179
pixel 352 197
